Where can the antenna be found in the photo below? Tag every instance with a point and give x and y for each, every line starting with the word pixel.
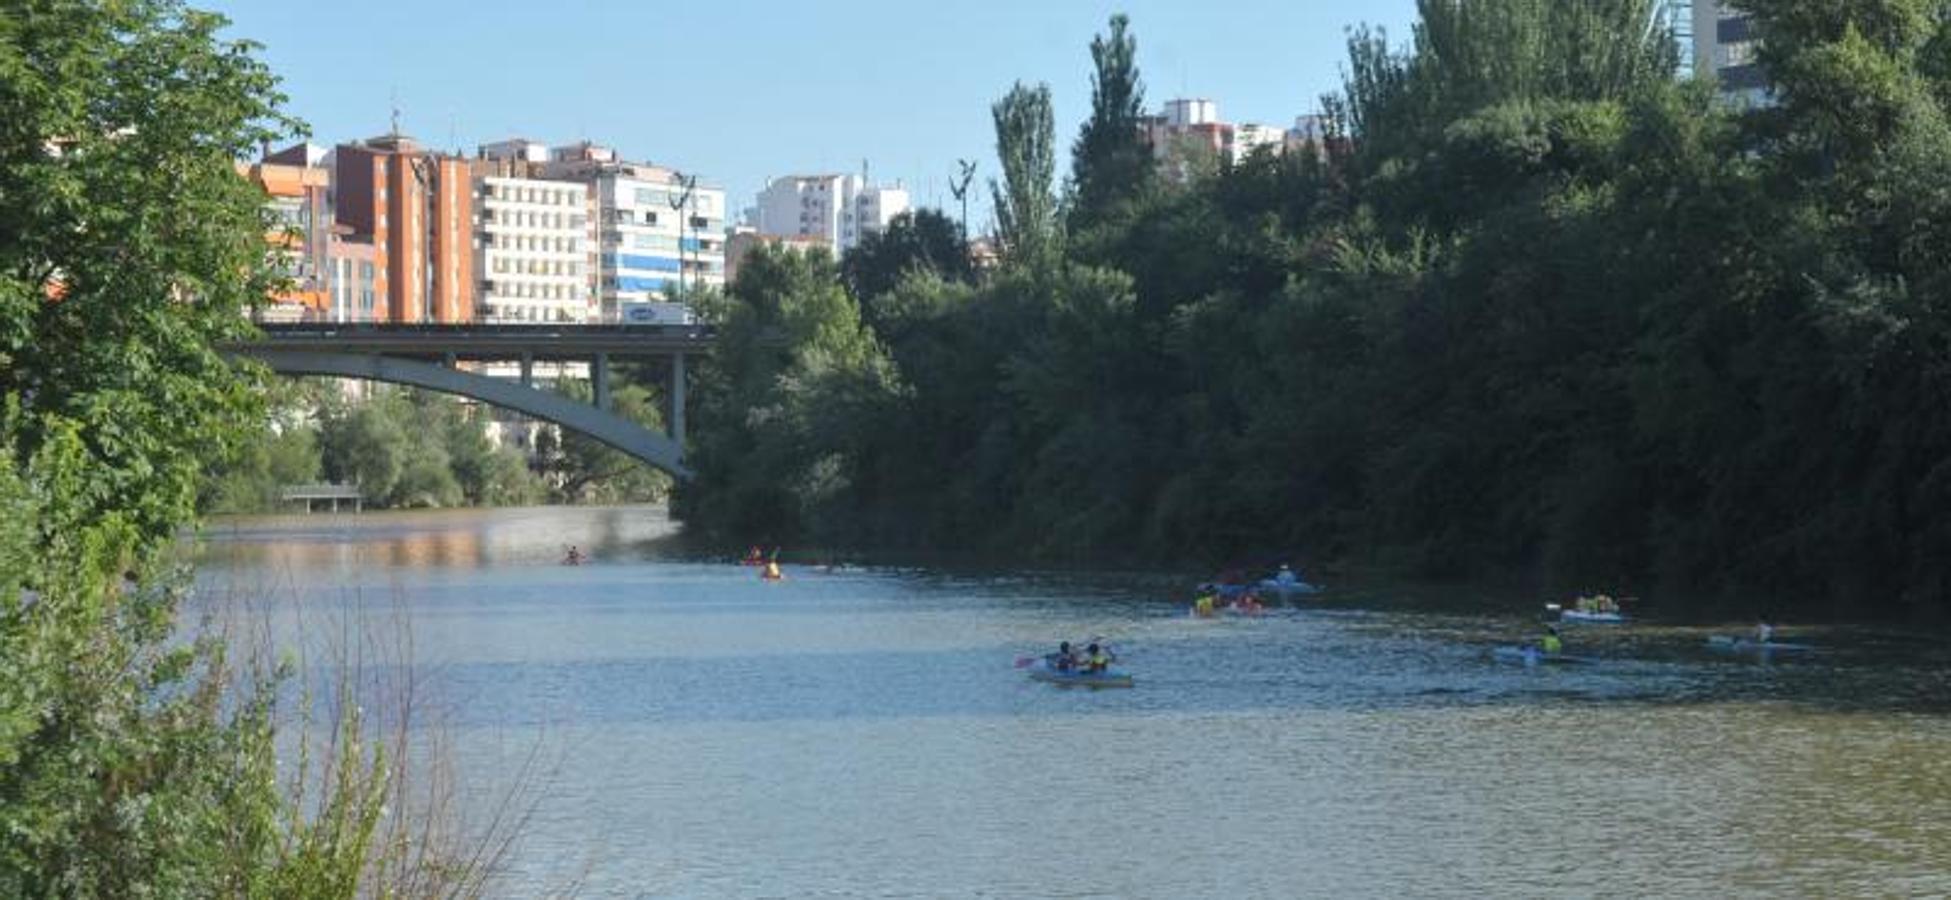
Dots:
pixel 396 112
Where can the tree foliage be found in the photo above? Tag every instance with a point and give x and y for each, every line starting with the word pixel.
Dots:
pixel 1111 162
pixel 1538 312
pixel 1026 210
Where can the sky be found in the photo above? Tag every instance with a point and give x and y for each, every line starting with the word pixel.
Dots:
pixel 739 92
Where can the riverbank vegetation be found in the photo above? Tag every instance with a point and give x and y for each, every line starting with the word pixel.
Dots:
pixel 1533 307
pixel 406 448
pixel 136 761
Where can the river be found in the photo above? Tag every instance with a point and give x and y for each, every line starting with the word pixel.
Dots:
pixel 866 733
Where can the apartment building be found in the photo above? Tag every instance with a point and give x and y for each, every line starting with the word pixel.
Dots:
pixel 533 260
pixel 838 210
pixel 655 231
pixel 416 208
pixel 1724 48
pixel 297 190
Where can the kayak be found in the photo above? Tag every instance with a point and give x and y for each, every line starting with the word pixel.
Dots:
pixel 1532 656
pixel 1733 644
pixel 1286 588
pixel 1594 618
pixel 1106 679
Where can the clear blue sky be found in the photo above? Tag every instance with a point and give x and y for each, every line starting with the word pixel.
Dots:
pixel 741 91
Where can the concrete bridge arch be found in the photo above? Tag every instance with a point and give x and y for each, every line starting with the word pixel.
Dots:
pixel 664 452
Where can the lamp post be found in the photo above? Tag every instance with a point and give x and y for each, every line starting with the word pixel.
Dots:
pixel 678 203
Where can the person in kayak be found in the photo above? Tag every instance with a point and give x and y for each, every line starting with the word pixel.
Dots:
pixel 1551 642
pixel 1065 659
pixel 772 572
pixel 1095 659
pixel 1764 632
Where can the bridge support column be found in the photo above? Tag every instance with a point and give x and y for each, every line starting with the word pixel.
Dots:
pixel 528 369
pixel 599 378
pixel 677 399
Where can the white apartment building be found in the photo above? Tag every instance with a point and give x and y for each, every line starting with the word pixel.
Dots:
pixel 654 236
pixel 533 263
pixel 840 210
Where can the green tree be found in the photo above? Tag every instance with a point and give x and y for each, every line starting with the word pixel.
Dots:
pixel 1111 162
pixel 584 469
pixel 920 241
pixel 1026 211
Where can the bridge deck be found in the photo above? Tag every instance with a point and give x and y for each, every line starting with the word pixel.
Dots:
pixel 491 342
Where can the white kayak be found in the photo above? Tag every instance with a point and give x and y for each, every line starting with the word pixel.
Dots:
pixel 1736 644
pixel 1592 618
pixel 1289 587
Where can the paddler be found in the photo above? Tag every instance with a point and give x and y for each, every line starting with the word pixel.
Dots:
pixel 772 572
pixel 1095 659
pixel 1065 659
pixel 1551 643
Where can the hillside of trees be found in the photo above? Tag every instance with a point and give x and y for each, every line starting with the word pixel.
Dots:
pixel 1536 310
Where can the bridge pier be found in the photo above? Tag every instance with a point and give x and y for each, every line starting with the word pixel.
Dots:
pixel 677 399
pixel 599 379
pixel 528 369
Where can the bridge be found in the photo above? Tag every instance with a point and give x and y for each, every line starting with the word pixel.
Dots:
pixel 431 357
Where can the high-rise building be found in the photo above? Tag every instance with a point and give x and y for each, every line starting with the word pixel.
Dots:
pixel 656 232
pixel 840 210
pixel 533 262
pixel 416 208
pixel 1724 45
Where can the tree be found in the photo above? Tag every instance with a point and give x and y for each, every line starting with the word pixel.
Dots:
pixel 920 241
pixel 133 764
pixel 1026 211
pixel 1111 162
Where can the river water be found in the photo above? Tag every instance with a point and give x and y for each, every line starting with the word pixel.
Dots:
pixel 866 733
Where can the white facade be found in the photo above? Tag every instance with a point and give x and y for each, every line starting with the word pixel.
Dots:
pixel 1249 137
pixel 652 238
pixel 840 210
pixel 533 264
pixel 518 149
pixel 1185 113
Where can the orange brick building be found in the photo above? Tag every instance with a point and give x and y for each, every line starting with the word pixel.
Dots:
pixel 416 208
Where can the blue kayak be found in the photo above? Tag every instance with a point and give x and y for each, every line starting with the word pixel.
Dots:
pixel 1110 678
pixel 1532 656
pixel 1733 644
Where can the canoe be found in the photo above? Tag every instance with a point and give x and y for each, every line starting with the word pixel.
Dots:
pixel 1532 656
pixel 1107 679
pixel 1592 618
pixel 1733 644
